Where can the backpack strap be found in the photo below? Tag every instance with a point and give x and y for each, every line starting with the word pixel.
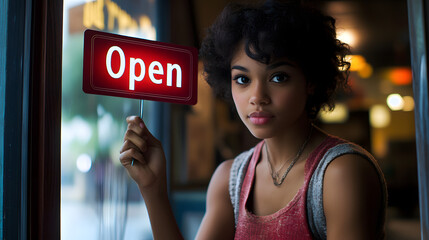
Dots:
pixel 236 178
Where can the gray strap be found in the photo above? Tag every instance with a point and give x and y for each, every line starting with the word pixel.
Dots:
pixel 316 215
pixel 236 178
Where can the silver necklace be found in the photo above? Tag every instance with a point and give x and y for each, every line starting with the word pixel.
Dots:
pixel 275 174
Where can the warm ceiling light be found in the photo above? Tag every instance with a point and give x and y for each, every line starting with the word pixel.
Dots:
pixel 379 116
pixel 366 71
pixel 401 75
pixel 357 62
pixel 340 114
pixel 408 103
pixel 395 102
pixel 347 36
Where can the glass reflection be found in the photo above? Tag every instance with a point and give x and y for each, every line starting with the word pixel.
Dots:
pixel 98 200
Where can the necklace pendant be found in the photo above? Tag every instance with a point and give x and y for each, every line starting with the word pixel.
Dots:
pixel 276 179
pixel 275 176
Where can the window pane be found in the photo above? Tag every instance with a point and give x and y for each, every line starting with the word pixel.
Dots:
pixel 98 199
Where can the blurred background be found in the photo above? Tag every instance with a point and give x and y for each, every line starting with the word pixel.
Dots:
pixel 97 196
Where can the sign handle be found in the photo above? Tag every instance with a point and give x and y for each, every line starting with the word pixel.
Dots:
pixel 141 116
pixel 141 109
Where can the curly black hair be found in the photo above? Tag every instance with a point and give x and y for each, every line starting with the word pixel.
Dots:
pixel 273 30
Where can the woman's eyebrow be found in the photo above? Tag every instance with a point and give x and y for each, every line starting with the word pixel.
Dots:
pixel 278 64
pixel 240 68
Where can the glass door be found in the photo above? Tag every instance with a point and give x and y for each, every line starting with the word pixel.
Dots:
pixel 98 199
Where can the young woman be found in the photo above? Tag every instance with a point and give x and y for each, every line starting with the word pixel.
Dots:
pixel 280 64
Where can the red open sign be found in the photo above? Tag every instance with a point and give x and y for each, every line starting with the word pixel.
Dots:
pixel 122 66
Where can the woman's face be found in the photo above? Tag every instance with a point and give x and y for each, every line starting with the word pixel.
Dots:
pixel 270 98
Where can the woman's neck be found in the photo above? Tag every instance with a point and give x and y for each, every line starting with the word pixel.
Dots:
pixel 284 148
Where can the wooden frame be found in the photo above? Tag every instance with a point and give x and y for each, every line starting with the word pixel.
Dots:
pixel 44 137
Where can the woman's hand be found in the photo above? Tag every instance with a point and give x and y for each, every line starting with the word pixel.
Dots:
pixel 149 172
pixel 143 157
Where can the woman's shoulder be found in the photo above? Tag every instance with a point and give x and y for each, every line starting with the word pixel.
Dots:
pixel 348 165
pixel 353 191
pixel 348 185
pixel 351 163
pixel 223 169
pixel 346 159
pixel 341 159
pixel 336 146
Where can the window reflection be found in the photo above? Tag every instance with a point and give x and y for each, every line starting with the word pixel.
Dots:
pixel 98 199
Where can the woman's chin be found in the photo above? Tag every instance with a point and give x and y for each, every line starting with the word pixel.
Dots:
pixel 261 133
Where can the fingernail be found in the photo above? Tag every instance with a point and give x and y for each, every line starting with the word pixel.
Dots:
pixel 141 125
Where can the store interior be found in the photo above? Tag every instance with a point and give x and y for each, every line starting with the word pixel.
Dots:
pixel 376 112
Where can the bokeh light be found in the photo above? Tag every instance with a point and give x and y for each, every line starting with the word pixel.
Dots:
pixel 379 116
pixel 340 114
pixel 395 102
pixel 84 163
pixel 408 103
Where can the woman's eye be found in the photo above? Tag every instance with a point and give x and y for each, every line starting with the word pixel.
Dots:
pixel 279 78
pixel 241 80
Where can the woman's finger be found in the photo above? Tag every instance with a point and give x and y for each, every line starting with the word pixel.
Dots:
pixel 132 139
pixel 131 155
pixel 129 144
pixel 139 127
pixel 136 127
pixel 134 120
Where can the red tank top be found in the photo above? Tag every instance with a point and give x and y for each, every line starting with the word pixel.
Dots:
pixel 289 222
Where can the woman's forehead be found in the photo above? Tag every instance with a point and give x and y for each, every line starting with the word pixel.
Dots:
pixel 240 55
pixel 273 57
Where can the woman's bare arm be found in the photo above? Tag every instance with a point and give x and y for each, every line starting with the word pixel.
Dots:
pixel 143 157
pixel 149 172
pixel 352 199
pixel 218 221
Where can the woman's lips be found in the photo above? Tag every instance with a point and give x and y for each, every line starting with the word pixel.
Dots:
pixel 260 118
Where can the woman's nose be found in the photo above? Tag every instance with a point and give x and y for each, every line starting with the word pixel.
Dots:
pixel 259 95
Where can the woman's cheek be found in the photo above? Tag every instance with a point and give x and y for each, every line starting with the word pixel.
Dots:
pixel 241 107
pixel 295 101
pixel 238 101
